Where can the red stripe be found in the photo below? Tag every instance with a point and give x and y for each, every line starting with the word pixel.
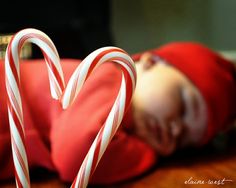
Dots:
pixel 73 184
pixel 13 98
pixel 93 65
pixel 82 174
pixel 73 90
pixel 113 59
pixel 128 80
pixel 129 90
pixel 97 150
pixel 20 159
pixel 20 131
pixel 18 182
pixel 46 57
pixel 57 89
pixel 16 121
pixel 36 35
pixel 11 63
pixel 18 125
pixel 98 57
pixel 54 70
pixel 128 84
pixel 116 117
pixel 99 139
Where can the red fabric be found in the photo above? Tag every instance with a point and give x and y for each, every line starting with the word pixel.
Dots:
pixel 213 75
pixel 59 140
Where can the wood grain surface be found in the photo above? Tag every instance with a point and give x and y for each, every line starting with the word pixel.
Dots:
pixel 211 166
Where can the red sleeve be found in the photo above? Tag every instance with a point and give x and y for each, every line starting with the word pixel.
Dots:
pixel 74 130
pixel 126 157
pixel 64 137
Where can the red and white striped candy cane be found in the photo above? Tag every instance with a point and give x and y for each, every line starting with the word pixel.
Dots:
pixel 108 130
pixel 15 113
pixel 67 96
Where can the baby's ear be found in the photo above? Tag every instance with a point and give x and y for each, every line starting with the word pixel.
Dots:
pixel 147 60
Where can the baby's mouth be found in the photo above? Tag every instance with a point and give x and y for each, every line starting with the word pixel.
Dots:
pixel 158 136
pixel 154 129
pixel 164 142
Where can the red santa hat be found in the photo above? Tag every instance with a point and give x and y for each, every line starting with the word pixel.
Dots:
pixel 214 76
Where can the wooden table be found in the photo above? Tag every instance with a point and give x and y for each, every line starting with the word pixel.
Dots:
pixel 191 168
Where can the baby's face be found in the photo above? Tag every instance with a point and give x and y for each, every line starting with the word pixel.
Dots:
pixel 168 111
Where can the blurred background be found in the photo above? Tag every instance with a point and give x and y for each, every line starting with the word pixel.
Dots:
pixel 144 24
pixel 79 27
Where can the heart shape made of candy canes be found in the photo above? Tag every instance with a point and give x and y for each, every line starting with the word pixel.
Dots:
pixel 66 94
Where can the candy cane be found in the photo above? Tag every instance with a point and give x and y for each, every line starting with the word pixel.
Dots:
pixel 15 113
pixel 67 96
pixel 87 66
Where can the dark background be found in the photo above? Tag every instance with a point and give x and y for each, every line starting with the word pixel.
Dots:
pixel 76 27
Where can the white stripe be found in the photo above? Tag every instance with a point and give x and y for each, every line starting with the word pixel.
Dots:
pixel 12 81
pixel 28 31
pixel 17 138
pixel 90 58
pixel 120 55
pixel 80 74
pixel 15 55
pixel 20 172
pixel 107 131
pixel 95 53
pixel 52 80
pixel 89 162
pixel 15 90
pixel 116 54
pixel 78 178
pixel 129 71
pixel 19 144
pixel 122 101
pixel 51 52
pixel 67 92
pixel 82 71
pixel 110 119
pixel 25 32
